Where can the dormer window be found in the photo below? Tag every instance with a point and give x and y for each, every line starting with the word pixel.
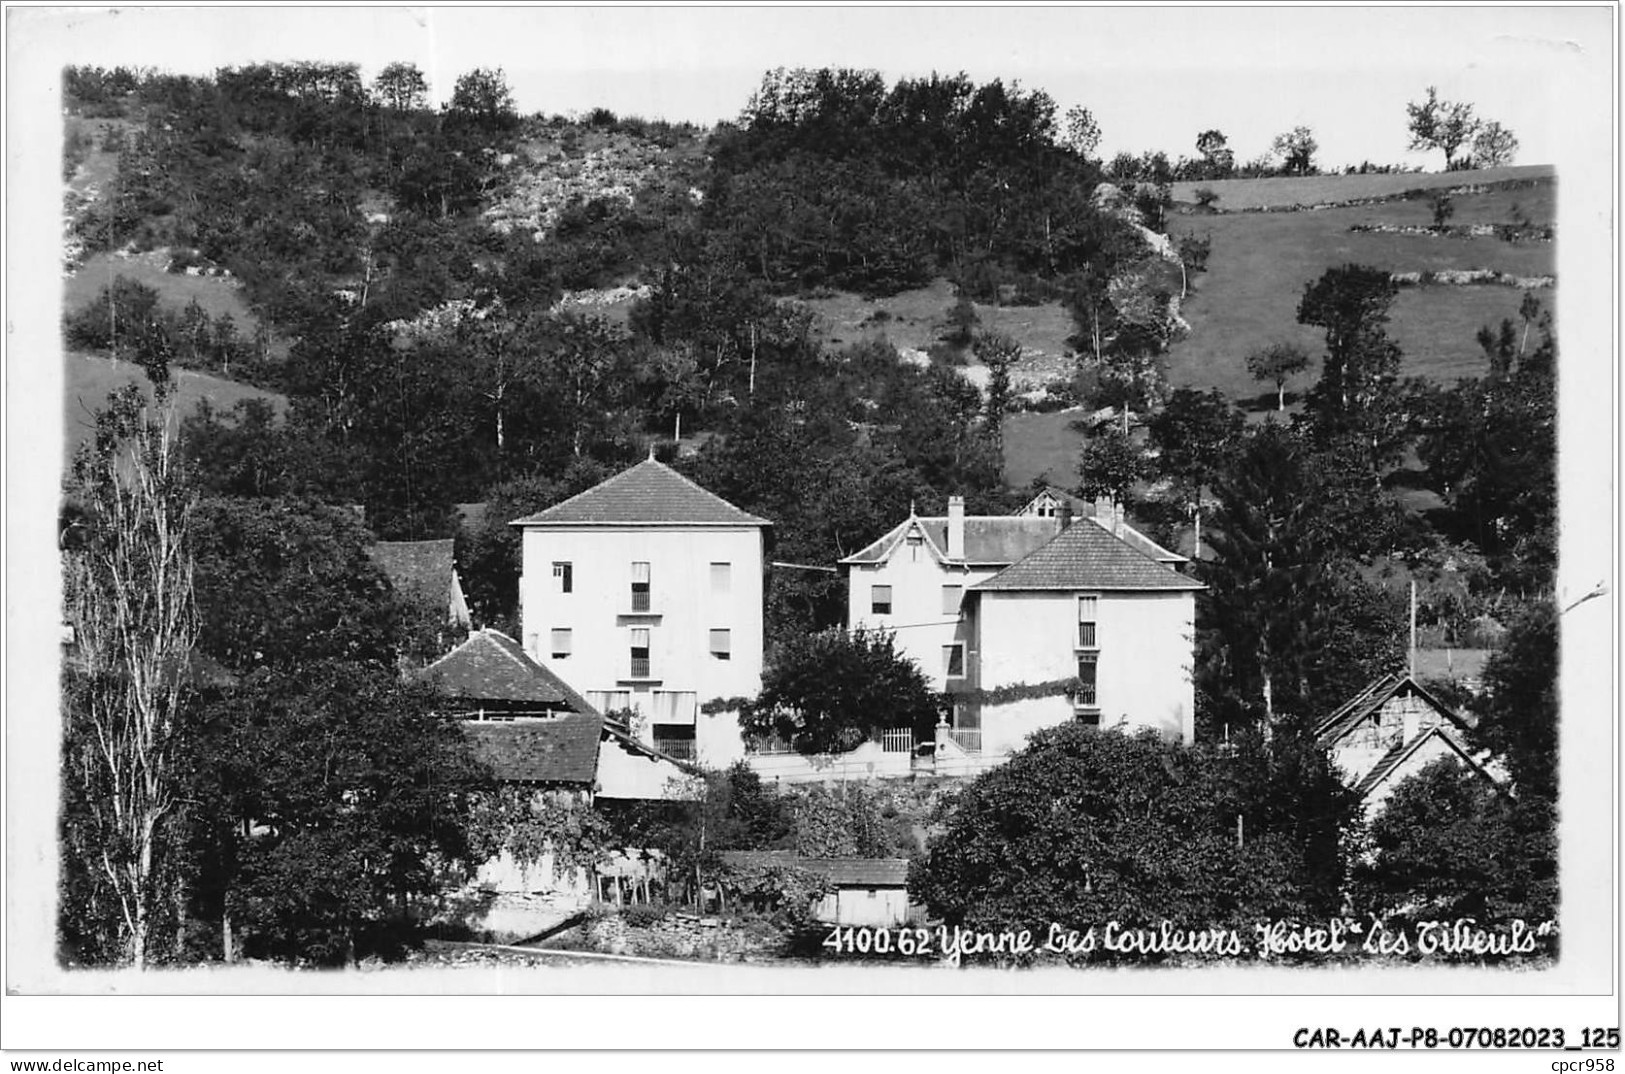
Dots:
pixel 914 540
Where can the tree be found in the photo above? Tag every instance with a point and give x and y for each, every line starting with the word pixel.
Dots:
pixel 1450 845
pixel 134 621
pixel 1277 364
pixel 284 583
pixel 1296 148
pixel 998 352
pixel 1083 827
pixel 482 103
pixel 1519 723
pixel 1443 208
pixel 348 799
pixel 1192 433
pixel 1442 125
pixel 401 86
pixel 1494 146
pixel 828 692
pixel 1110 465
pixel 1351 303
pixel 1218 159
pixel 1081 132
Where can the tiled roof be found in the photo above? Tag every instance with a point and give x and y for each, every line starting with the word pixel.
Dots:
pixel 649 494
pixel 1087 556
pixel 559 749
pixel 1084 509
pixel 490 666
pixel 994 540
pixel 1369 700
pixel 842 872
pixel 416 567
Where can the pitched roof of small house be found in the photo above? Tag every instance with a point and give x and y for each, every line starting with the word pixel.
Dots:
pixel 558 749
pixel 649 494
pixel 416 566
pixel 1395 758
pixel 490 666
pixel 1086 555
pixel 842 872
pixel 1372 698
pixel 990 540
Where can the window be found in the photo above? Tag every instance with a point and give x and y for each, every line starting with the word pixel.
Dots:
pixel 953 660
pixel 1087 609
pixel 674 741
pixel 565 575
pixel 880 600
pixel 722 644
pixel 560 647
pixel 951 596
pixel 1088 667
pixel 640 652
pixel 1087 717
pixel 722 578
pixel 640 587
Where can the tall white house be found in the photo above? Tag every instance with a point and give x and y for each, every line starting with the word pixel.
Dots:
pixel 645 593
pixel 1035 619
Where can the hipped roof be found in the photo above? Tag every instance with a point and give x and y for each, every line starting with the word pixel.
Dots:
pixel 649 494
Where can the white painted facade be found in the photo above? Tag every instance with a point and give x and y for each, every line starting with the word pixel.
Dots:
pixel 625 772
pixel 877 907
pixel 1144 646
pixel 701 580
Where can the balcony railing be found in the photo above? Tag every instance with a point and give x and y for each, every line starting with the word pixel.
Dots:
pixel 640 600
pixel 1084 696
pixel 968 739
pixel 680 748
pixel 640 667
pixel 1086 635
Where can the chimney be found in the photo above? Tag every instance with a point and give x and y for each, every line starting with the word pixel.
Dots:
pixel 956 527
pixel 1066 513
pixel 1117 519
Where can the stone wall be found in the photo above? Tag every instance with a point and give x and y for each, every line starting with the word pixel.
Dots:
pixel 685 935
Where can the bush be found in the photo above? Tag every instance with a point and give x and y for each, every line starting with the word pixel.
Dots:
pixel 1206 196
pixel 643 915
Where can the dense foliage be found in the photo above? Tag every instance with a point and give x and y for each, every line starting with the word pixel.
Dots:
pixel 830 691
pixel 1084 827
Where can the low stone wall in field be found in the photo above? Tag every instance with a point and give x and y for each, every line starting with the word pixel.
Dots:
pixel 684 935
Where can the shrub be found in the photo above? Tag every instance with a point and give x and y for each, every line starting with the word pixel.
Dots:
pixel 643 915
pixel 1206 196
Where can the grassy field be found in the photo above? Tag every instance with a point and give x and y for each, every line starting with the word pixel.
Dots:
pixel 1261 263
pixel 1238 194
pixel 88 380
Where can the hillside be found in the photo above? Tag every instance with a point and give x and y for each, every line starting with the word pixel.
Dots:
pixel 1261 262
pixel 89 379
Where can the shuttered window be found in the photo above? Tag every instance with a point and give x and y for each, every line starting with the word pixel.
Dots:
pixel 880 600
pixel 722 644
pixel 560 646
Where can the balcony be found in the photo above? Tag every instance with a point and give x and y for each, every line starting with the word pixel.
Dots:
pixel 681 749
pixel 640 601
pixel 640 668
pixel 1086 636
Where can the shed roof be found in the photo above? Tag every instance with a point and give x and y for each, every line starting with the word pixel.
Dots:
pixel 1087 556
pixel 557 749
pixel 490 666
pixel 649 494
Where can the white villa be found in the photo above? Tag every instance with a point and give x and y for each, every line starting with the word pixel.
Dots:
pixel 645 593
pixel 1034 619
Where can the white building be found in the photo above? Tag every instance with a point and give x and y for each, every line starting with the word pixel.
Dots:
pixel 1035 619
pixel 645 593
